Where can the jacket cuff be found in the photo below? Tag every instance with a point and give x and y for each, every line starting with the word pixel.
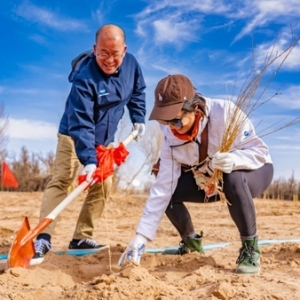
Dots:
pixel 147 230
pixel 138 120
pixel 90 161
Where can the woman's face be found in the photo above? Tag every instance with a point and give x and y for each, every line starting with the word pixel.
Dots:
pixel 187 122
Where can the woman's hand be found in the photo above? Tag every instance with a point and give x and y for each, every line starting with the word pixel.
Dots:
pixel 223 161
pixel 134 250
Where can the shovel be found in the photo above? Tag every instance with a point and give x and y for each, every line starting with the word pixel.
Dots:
pixel 22 249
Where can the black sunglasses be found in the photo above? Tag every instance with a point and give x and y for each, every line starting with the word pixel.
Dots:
pixel 177 122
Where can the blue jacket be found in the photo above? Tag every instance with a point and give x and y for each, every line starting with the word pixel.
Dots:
pixel 96 104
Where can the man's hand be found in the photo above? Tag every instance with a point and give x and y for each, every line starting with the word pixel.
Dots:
pixel 89 170
pixel 223 161
pixel 140 127
pixel 134 250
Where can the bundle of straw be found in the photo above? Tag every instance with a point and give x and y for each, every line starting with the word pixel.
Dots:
pixel 245 105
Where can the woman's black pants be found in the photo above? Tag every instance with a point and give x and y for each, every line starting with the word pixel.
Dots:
pixel 240 187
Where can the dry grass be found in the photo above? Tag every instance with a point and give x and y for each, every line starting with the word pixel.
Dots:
pixel 248 101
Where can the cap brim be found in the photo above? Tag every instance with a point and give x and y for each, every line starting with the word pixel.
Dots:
pixel 165 112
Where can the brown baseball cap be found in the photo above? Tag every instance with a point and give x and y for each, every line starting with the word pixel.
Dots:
pixel 170 94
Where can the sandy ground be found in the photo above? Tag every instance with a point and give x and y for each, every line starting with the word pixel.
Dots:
pixel 159 277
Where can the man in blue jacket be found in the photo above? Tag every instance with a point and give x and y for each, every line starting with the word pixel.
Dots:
pixel 104 81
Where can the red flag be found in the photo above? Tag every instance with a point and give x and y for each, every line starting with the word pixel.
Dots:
pixel 8 178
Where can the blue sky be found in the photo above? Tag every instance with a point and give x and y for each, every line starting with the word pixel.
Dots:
pixel 211 41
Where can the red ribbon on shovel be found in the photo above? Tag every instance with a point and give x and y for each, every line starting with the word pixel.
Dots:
pixel 107 157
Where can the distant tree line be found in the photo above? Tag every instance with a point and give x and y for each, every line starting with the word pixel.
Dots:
pixel 33 171
pixel 285 189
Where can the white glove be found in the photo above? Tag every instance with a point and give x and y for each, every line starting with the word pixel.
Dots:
pixel 140 127
pixel 89 170
pixel 134 250
pixel 223 161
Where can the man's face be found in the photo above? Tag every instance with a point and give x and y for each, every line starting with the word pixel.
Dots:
pixel 109 54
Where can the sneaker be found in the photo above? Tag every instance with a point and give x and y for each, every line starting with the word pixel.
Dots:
pixel 41 246
pixel 249 258
pixel 188 245
pixel 84 244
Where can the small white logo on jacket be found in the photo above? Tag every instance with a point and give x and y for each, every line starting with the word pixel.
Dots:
pixel 103 93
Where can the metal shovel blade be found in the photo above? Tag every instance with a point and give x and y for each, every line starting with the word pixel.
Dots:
pixel 22 249
pixel 20 256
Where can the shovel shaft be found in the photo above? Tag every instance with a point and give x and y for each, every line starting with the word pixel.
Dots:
pixel 54 213
pixel 35 231
pixel 132 136
pixel 60 207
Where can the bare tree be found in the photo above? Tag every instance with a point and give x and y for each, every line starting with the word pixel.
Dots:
pixel 143 155
pixel 48 162
pixel 151 144
pixel 291 186
pixel 282 189
pixel 29 171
